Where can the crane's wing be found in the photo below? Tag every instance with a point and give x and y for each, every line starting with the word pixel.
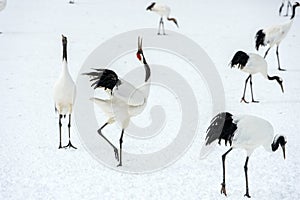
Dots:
pixel 222 126
pixel 129 94
pixel 105 78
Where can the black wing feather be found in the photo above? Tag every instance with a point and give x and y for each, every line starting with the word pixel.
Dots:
pixel 221 127
pixel 240 59
pixel 260 39
pixel 103 78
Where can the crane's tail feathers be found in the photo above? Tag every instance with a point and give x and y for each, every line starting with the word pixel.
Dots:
pixel 239 59
pixel 103 78
pixel 207 149
pixel 260 39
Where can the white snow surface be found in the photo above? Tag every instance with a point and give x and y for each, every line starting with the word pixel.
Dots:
pixel 31 166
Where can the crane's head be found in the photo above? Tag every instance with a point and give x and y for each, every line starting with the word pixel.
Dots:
pixel 296 4
pixel 139 53
pixel 64 40
pixel 279 140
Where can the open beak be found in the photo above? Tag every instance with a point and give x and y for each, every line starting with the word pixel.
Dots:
pixel 283 150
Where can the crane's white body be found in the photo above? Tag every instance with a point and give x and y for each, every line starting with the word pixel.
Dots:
pixel 161 10
pixel 64 91
pixel 126 102
pixel 256 64
pixel 251 133
pixel 275 34
pixel 2 4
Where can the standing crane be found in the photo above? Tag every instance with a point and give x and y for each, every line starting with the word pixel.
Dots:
pixel 64 94
pixel 252 63
pixel 242 132
pixel 162 11
pixel 125 100
pixel 274 35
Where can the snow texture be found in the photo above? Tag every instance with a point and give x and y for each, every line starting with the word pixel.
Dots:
pixel 31 166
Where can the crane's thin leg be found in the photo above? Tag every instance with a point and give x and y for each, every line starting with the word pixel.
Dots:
pixel 59 126
pixel 223 189
pixel 277 53
pixel 243 98
pixel 280 9
pixel 121 142
pixel 267 52
pixel 70 145
pixel 115 149
pixel 246 175
pixel 288 7
pixel 159 26
pixel 252 90
pixel 163 26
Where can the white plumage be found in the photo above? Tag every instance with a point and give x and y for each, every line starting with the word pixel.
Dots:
pixel 244 131
pixel 273 35
pixel 252 63
pixel 64 94
pixel 2 4
pixel 126 101
pixel 162 11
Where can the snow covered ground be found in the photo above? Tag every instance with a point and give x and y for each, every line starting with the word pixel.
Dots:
pixel 31 166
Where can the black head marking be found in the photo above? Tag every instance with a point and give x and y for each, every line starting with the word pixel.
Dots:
pixel 278 140
pixel 240 59
pixel 260 39
pixel 151 6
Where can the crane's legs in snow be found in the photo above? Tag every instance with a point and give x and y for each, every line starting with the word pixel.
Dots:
pixel 115 149
pixel 70 145
pixel 223 189
pixel 280 9
pixel 161 24
pixel 243 98
pixel 59 126
pixel 252 90
pixel 246 175
pixel 277 53
pixel 287 9
pixel 121 142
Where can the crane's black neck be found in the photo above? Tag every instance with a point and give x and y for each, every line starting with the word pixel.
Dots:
pixel 280 140
pixel 147 69
pixel 294 11
pixel 65 52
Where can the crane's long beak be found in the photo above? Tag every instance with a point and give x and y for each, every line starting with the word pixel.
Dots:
pixel 283 150
pixel 282 87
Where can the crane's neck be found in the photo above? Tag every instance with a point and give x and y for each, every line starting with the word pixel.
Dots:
pixel 65 52
pixel 65 62
pixel 293 12
pixel 147 69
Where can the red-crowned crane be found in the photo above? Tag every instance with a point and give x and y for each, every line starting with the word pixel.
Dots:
pixel 162 11
pixel 252 63
pixel 274 35
pixel 125 101
pixel 64 94
pixel 242 132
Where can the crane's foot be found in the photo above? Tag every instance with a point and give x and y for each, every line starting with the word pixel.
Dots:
pixel 119 165
pixel 223 189
pixel 280 69
pixel 116 154
pixel 70 145
pixel 60 147
pixel 243 100
pixel 247 195
pixel 71 2
pixel 158 33
pixel 253 101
